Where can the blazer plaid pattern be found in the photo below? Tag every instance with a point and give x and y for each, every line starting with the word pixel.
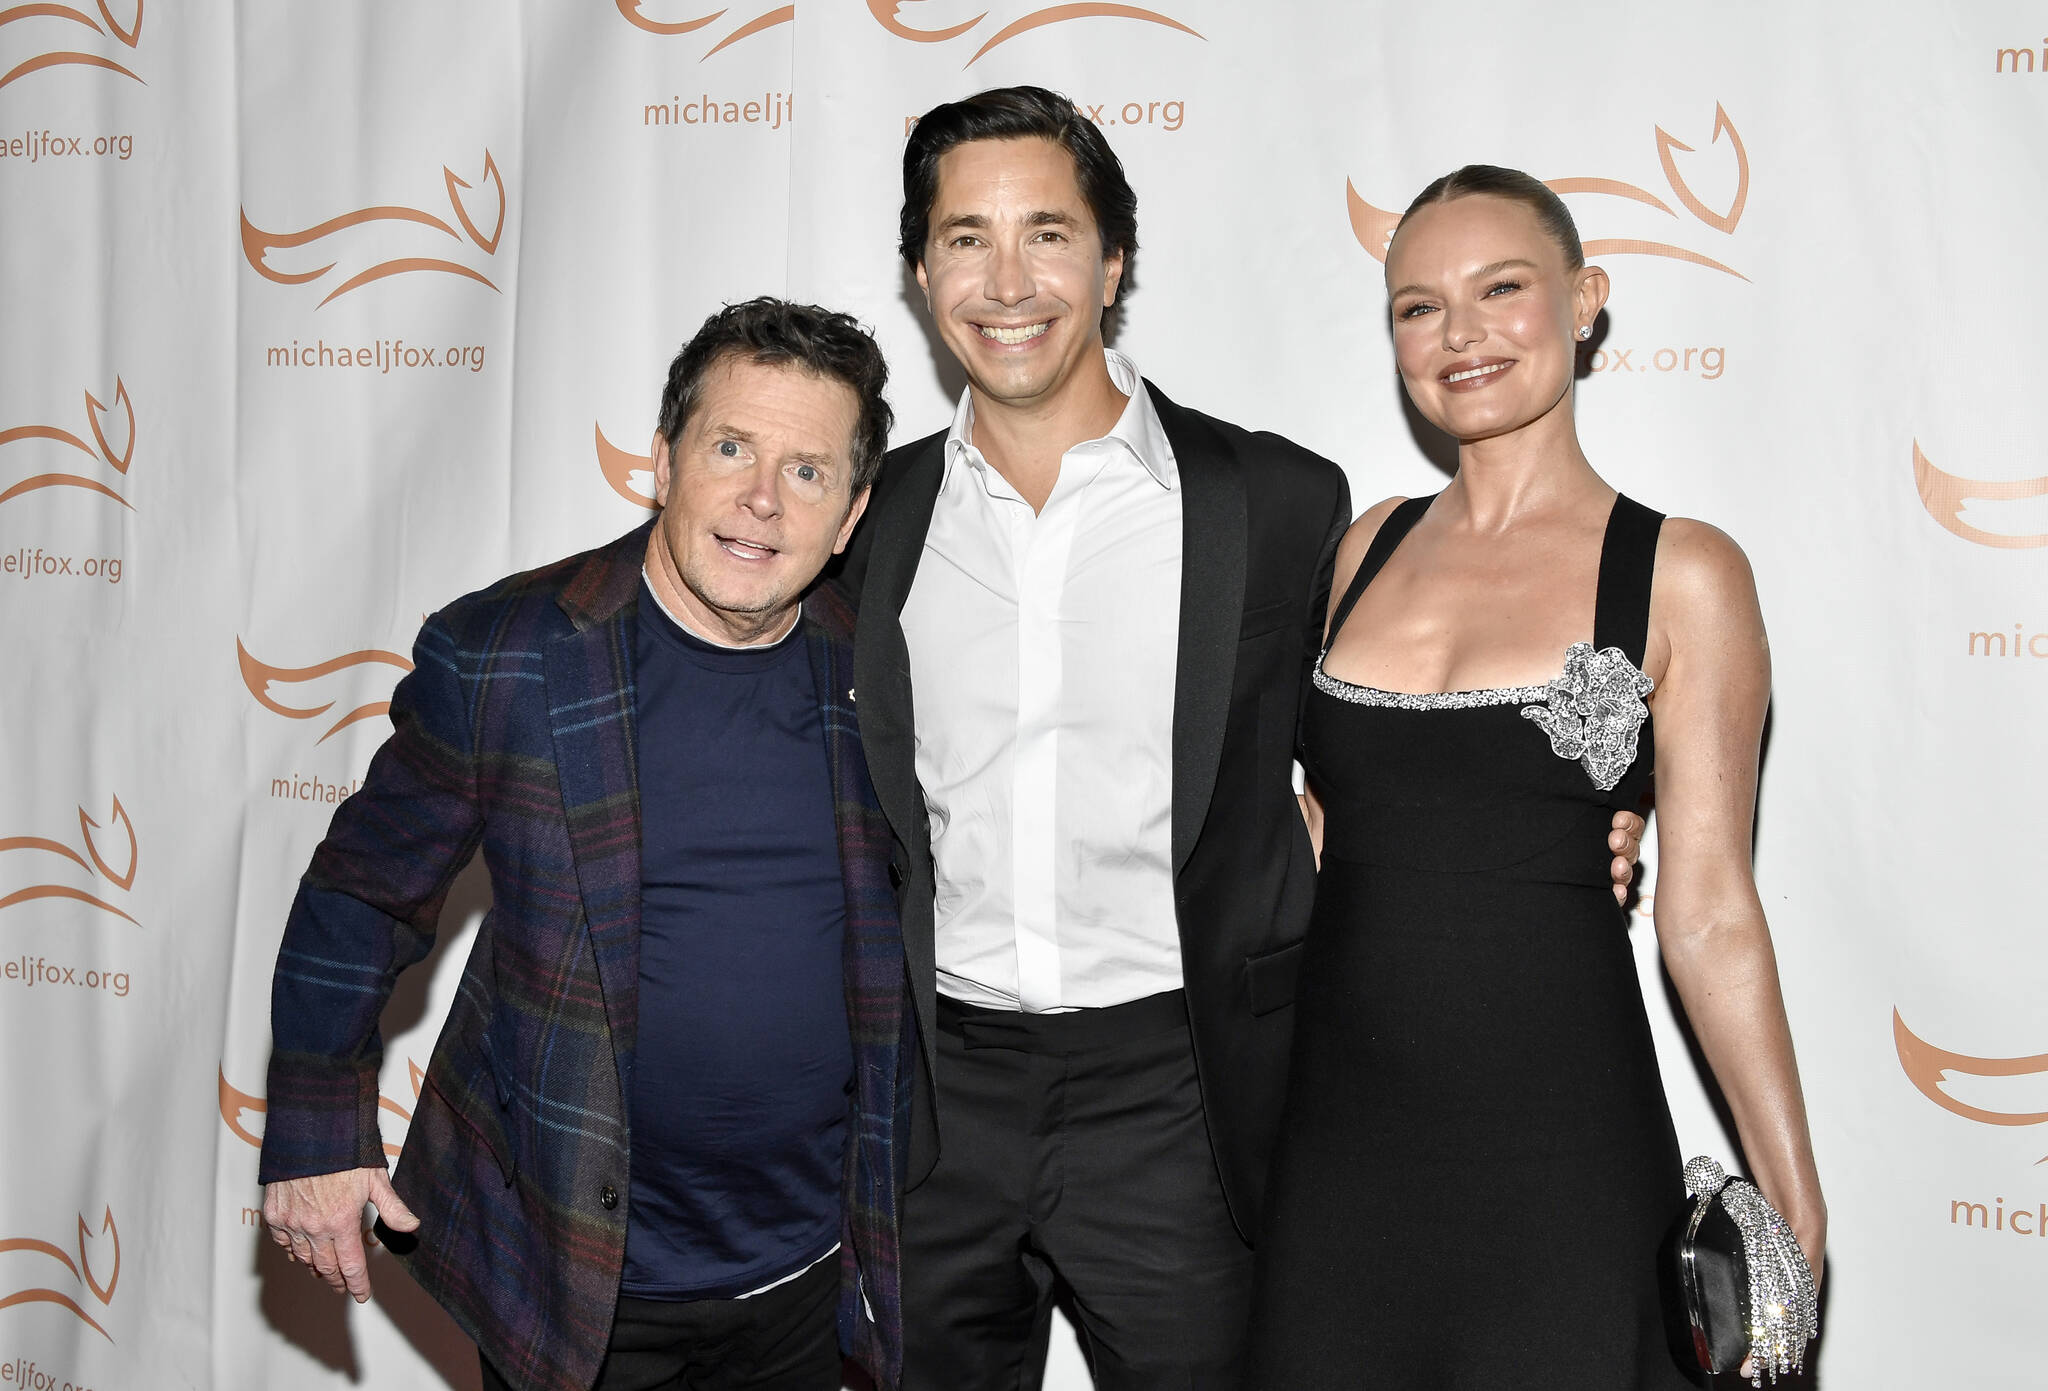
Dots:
pixel 514 735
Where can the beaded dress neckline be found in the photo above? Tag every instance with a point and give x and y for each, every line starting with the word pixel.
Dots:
pixel 1422 700
pixel 1594 709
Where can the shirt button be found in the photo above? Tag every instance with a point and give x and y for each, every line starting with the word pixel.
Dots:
pixel 608 1196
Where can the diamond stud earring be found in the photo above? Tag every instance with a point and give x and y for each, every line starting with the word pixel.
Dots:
pixel 1586 331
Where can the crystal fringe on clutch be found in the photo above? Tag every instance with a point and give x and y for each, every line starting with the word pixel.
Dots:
pixel 1784 1305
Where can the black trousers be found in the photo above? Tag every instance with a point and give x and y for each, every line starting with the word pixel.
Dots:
pixel 784 1339
pixel 1074 1160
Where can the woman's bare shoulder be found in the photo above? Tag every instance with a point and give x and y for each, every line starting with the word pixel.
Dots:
pixel 1701 569
pixel 1703 605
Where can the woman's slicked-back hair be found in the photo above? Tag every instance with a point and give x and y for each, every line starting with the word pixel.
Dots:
pixel 1018 113
pixel 1496 182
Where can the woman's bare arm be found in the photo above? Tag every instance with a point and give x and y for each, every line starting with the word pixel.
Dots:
pixel 1710 708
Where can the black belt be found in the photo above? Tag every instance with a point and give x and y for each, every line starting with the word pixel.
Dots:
pixel 1070 1032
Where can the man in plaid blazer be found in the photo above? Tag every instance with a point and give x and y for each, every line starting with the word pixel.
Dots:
pixel 524 731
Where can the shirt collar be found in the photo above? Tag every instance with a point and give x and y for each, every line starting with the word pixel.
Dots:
pixel 1138 429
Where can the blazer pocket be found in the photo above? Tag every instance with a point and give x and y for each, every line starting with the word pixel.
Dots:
pixel 495 1127
pixel 1267 618
pixel 1270 977
pixel 458 1101
pixel 496 1051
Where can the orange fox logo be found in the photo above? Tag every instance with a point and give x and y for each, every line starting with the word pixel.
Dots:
pixel 259 246
pixel 1374 227
pixel 631 475
pixel 129 35
pixel 1930 1068
pixel 887 12
pixel 122 879
pixel 236 1104
pixel 261 677
pixel 1944 495
pixel 81 1270
pixel 634 12
pixel 113 443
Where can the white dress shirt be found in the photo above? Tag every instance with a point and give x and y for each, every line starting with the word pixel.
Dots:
pixel 1042 650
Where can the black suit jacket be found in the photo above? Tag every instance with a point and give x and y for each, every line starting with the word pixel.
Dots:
pixel 1261 518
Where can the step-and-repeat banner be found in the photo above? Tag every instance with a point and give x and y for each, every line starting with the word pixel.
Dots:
pixel 314 317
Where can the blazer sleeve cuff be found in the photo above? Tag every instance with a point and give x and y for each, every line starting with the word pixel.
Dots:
pixel 321 1119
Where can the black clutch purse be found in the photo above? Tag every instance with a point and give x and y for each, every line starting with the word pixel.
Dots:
pixel 1736 1283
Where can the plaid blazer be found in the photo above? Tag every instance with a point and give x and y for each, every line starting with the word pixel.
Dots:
pixel 514 734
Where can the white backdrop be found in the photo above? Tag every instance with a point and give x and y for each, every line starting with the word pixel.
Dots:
pixel 312 318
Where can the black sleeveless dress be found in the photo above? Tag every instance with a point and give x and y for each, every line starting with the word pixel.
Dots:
pixel 1476 1162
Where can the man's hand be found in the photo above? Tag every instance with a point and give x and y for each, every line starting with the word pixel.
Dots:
pixel 1626 841
pixel 320 1221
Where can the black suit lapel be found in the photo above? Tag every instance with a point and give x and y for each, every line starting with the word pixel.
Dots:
pixel 900 517
pixel 1211 612
pixel 901 514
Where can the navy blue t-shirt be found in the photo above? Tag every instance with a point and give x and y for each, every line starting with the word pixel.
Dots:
pixel 744 1063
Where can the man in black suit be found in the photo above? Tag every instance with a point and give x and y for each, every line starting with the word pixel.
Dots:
pixel 1086 617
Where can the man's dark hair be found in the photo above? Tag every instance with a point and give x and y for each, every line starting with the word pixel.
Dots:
pixel 775 333
pixel 1018 113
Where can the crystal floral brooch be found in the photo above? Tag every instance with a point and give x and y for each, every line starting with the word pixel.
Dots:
pixel 1594 710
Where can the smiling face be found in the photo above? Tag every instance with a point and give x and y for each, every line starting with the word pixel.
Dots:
pixel 1014 272
pixel 755 495
pixel 1486 315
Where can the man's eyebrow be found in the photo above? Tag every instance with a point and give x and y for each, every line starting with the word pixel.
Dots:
pixel 733 432
pixel 815 460
pixel 975 222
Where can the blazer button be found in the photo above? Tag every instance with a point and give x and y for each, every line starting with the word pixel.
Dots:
pixel 608 1196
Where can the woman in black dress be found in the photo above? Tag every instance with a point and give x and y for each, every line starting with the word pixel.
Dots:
pixel 1476 1160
